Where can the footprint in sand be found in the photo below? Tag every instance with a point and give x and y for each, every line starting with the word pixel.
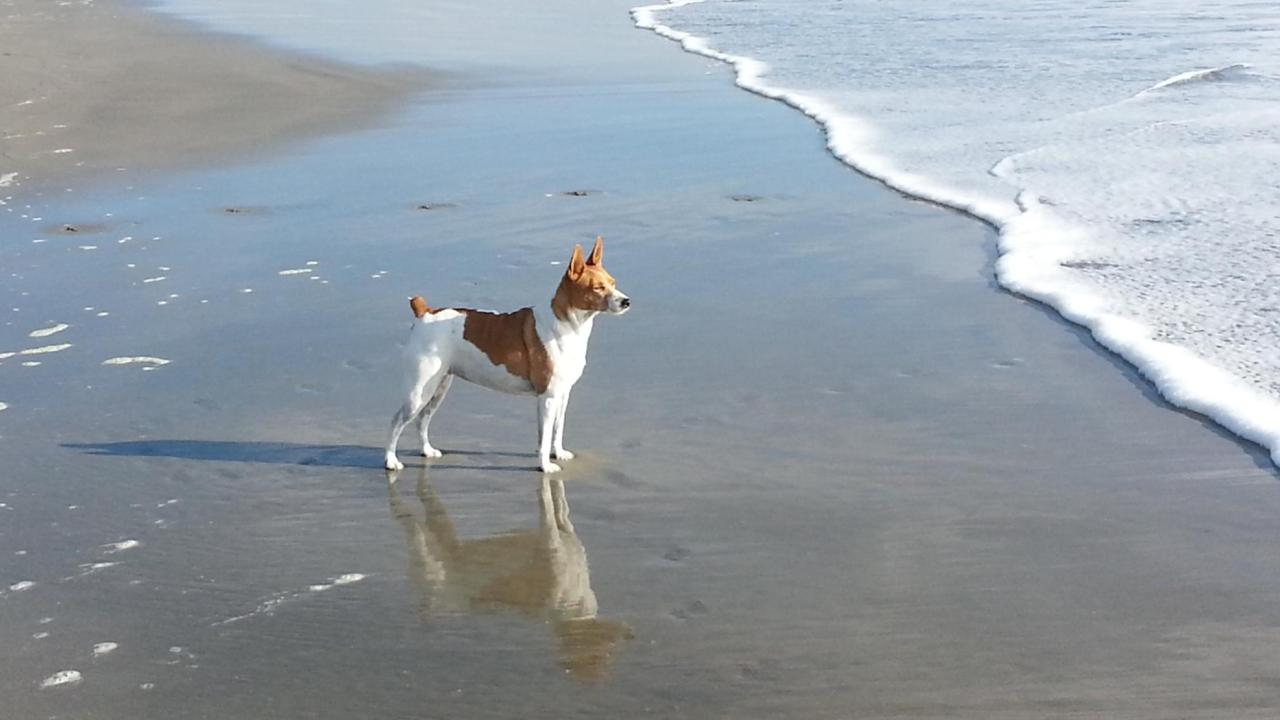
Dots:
pixel 690 610
pixel 677 554
pixel 77 228
pixel 245 210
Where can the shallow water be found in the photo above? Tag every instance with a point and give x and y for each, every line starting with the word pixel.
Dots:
pixel 825 468
pixel 1127 151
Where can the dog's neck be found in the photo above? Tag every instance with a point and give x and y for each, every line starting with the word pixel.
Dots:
pixel 565 320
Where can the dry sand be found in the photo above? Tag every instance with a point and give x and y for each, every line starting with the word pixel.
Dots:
pixel 88 87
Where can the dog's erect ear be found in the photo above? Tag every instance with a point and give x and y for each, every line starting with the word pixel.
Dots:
pixel 597 252
pixel 576 263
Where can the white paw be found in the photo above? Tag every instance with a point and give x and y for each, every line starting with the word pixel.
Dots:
pixel 549 467
pixel 393 464
pixel 430 452
pixel 563 454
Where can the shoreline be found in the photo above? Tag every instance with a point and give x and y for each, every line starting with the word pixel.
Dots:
pixel 1183 380
pixel 89 90
pixel 826 467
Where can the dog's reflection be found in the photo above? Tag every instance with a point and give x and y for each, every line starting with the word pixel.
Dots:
pixel 540 573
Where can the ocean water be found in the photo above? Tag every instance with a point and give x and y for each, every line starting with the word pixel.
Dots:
pixel 1129 153
pixel 498 41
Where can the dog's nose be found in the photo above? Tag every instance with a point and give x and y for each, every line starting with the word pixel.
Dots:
pixel 625 303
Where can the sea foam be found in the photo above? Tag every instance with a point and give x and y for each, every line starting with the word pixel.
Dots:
pixel 1132 182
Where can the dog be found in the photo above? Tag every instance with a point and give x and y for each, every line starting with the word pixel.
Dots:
pixel 539 573
pixel 538 351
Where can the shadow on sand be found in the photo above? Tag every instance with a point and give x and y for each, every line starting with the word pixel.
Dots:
pixel 275 453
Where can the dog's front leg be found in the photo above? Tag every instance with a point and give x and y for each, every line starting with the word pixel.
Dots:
pixel 548 411
pixel 557 440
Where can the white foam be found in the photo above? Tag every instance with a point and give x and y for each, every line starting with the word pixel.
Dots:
pixel 121 546
pixel 46 332
pixel 45 349
pixel 60 678
pixel 90 569
pixel 1146 215
pixel 155 279
pixel 136 359
pixel 104 648
pixel 4 406
pixel 270 604
pixel 7 179
pixel 21 586
pixel 32 363
pixel 295 271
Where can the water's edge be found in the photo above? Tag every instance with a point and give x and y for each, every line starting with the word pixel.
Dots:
pixel 1025 265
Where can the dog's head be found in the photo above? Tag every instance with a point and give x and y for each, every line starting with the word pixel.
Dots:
pixel 588 287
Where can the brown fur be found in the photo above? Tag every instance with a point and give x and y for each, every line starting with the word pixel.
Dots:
pixel 510 340
pixel 586 285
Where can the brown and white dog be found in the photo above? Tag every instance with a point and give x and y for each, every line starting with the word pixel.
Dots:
pixel 533 351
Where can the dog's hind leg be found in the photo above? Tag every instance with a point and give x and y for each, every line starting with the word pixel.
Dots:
pixel 424 417
pixel 428 375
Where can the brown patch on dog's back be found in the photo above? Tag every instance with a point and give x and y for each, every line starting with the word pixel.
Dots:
pixel 419 306
pixel 511 341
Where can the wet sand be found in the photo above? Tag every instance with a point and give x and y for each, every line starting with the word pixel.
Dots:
pixel 91 88
pixel 826 468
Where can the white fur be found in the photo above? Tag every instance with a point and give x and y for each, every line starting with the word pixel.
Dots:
pixel 437 351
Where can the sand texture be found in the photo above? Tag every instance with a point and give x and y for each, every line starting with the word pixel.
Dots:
pixel 826 469
pixel 89 87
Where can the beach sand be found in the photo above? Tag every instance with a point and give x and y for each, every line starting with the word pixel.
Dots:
pixel 826 468
pixel 89 88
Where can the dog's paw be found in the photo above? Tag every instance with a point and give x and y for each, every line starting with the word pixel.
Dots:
pixel 430 452
pixel 563 454
pixel 549 467
pixel 392 464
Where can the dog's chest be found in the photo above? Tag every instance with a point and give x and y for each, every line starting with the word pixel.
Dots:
pixel 566 350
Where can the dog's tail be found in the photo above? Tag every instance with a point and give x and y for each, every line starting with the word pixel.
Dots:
pixel 419 306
